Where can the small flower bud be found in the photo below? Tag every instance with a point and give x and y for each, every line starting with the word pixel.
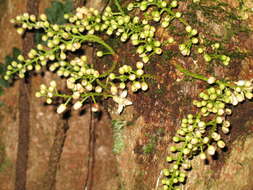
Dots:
pixel 221 144
pixel 77 105
pixel 173 149
pixel 188 28
pixel 206 140
pixel 89 87
pixel 114 90
pixel 225 130
pixel 49 101
pixel 211 150
pixel 202 156
pixel 61 108
pixel 20 31
pixel 98 89
pixel 178 14
pixel 37 94
pixel 53 83
pixel 132 77
pixel 139 72
pixel 122 85
pixel 112 76
pixel 139 65
pixel 169 159
pixel 144 86
pixel 100 54
pixel 211 80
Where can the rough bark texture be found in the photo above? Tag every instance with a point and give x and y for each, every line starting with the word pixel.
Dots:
pixel 60 153
pixel 49 181
pixel 24 111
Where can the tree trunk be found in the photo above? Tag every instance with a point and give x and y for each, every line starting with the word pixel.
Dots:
pixel 40 150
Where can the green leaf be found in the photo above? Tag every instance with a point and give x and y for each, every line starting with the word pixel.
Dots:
pixel 8 60
pixel 38 37
pixel 4 83
pixel 2 69
pixel 68 7
pixel 50 14
pixel 1 104
pixel 1 91
pixel 16 52
pixel 56 12
pixel 53 13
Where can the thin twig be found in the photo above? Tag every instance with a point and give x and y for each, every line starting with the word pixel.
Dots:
pixel 158 180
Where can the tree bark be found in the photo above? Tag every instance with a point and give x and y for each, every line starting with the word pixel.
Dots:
pixel 24 111
pixel 48 182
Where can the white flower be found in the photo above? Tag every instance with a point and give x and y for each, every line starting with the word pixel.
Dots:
pixel 122 101
pixel 61 108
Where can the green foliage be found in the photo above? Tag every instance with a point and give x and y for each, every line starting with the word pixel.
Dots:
pixel 38 37
pixel 118 137
pixel 3 67
pixel 55 14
